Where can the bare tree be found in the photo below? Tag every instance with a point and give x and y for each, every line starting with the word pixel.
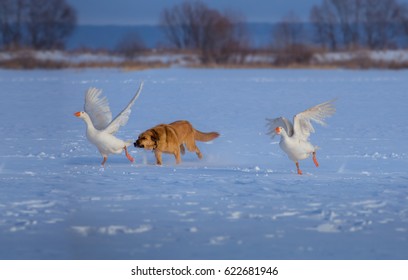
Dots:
pixel 288 32
pixel 11 22
pixel 289 41
pixel 383 22
pixel 349 16
pixel 349 23
pixel 224 38
pixel 40 24
pixel 336 23
pixel 325 22
pixel 404 23
pixel 178 24
pixel 49 23
pixel 194 26
pixel 131 45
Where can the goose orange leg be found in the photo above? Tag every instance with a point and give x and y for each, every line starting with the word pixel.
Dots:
pixel 298 169
pixel 104 160
pixel 129 157
pixel 315 160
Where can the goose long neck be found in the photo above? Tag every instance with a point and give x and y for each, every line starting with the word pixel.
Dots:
pixel 89 124
pixel 283 133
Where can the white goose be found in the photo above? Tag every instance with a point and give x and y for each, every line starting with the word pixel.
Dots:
pixel 100 128
pixel 295 138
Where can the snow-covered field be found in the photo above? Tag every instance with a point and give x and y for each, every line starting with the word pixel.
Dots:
pixel 396 57
pixel 242 201
pixel 388 56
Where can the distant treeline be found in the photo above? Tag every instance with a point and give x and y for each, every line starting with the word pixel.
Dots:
pixel 35 24
pixel 333 25
pixel 219 37
pixel 372 24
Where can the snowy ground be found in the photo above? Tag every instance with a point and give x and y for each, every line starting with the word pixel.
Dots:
pixel 388 56
pixel 395 57
pixel 242 201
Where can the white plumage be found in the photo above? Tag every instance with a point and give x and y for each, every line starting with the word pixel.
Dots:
pixel 295 137
pixel 100 128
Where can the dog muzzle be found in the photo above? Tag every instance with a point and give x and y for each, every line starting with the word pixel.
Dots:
pixel 138 145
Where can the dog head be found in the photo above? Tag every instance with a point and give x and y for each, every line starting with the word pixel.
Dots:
pixel 147 140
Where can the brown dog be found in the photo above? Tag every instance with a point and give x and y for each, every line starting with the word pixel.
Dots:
pixel 171 138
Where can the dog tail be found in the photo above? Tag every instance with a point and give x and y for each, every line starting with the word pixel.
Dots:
pixel 205 136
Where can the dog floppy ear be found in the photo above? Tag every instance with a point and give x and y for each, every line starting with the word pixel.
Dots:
pixel 155 136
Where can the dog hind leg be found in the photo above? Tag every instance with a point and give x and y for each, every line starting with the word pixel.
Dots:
pixel 192 147
pixel 182 149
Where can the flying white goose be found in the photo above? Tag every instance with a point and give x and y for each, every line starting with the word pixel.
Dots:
pixel 100 128
pixel 295 137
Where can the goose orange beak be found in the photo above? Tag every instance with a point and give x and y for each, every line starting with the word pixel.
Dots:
pixel 278 130
pixel 77 114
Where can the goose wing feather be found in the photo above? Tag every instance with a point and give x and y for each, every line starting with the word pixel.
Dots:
pixel 123 117
pixel 302 122
pixel 280 121
pixel 97 107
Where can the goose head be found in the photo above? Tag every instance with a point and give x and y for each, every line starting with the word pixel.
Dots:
pixel 81 114
pixel 281 131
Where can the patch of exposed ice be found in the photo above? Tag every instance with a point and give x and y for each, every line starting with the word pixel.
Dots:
pixel 110 230
pixel 327 228
pixel 218 240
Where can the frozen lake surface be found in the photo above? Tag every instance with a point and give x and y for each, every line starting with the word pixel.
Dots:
pixel 243 200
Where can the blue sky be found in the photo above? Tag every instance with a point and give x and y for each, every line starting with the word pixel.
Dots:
pixel 148 11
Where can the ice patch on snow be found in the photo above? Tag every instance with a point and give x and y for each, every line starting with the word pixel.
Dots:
pixel 328 228
pixel 235 215
pixel 359 225
pixel 110 230
pixel 22 224
pixel 370 204
pixel 285 214
pixel 219 240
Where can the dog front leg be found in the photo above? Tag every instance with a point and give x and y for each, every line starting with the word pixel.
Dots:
pixel 158 155
pixel 177 156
